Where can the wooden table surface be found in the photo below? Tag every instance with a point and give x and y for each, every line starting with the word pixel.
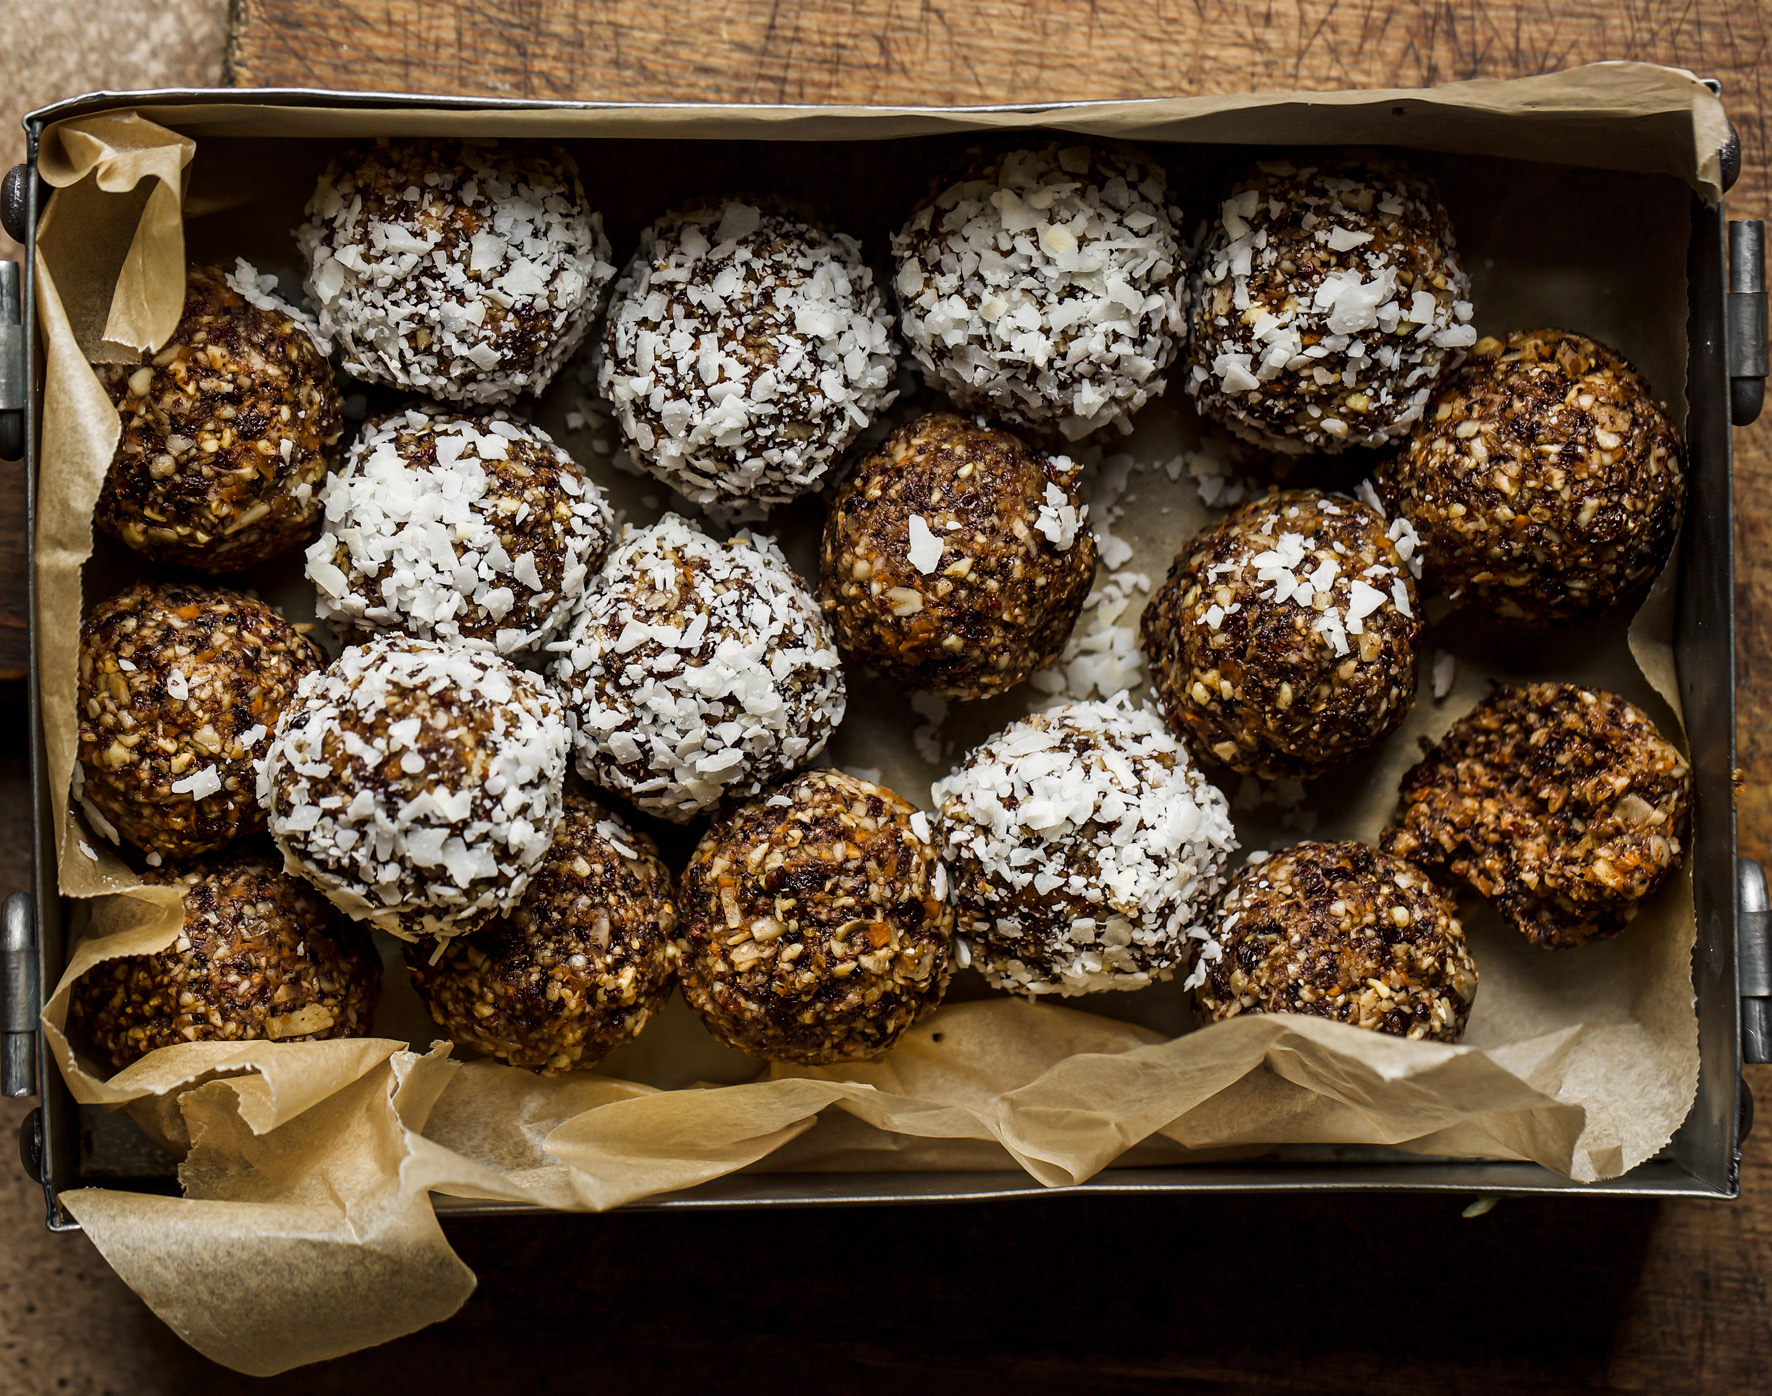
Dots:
pixel 1223 1295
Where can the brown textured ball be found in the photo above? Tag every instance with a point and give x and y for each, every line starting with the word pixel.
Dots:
pixel 180 688
pixel 1564 806
pixel 577 968
pixel 228 433
pixel 1285 637
pixel 956 558
pixel 1345 932
pixel 816 926
pixel 1547 485
pixel 261 956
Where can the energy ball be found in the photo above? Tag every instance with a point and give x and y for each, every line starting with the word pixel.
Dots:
pixel 1344 932
pixel 1085 848
pixel 1046 287
pixel 576 968
pixel 1564 806
pixel 417 784
pixel 1285 637
pixel 697 670
pixel 1328 306
pixel 227 433
pixel 816 924
pixel 466 270
pixel 261 957
pixel 1547 484
pixel 180 687
pixel 473 529
pixel 743 353
pixel 956 558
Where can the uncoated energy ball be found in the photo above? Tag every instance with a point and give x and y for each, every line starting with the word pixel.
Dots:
pixel 261 957
pixel 417 784
pixel 180 687
pixel 956 558
pixel 577 967
pixel 1329 305
pixel 228 432
pixel 1547 484
pixel 816 926
pixel 1285 638
pixel 467 270
pixel 1046 287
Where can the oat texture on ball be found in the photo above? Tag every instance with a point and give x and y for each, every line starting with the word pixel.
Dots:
pixel 417 784
pixel 1047 286
pixel 1340 931
pixel 743 352
pixel 816 923
pixel 1329 304
pixel 227 431
pixel 1563 805
pixel 697 669
pixel 261 956
pixel 956 558
pixel 577 968
pixel 1285 637
pixel 467 270
pixel 474 529
pixel 180 687
pixel 1546 484
pixel 1085 849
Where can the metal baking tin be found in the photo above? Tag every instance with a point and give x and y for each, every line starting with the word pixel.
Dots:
pixel 1726 360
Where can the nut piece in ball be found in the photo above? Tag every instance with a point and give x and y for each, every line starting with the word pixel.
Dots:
pixel 956 558
pixel 1328 306
pixel 697 669
pixel 261 957
pixel 228 432
pixel 1085 848
pixel 1547 484
pixel 1564 806
pixel 743 352
pixel 816 925
pixel 1284 639
pixel 1047 287
pixel 576 968
pixel 417 784
pixel 1344 932
pixel 473 529
pixel 180 688
pixel 466 270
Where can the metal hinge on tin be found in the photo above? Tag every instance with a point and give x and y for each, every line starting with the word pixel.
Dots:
pixel 1753 947
pixel 1745 321
pixel 20 999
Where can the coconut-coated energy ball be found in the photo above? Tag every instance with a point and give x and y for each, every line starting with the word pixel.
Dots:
pixel 1329 305
pixel 261 957
pixel 956 558
pixel 577 967
pixel 1344 932
pixel 228 431
pixel 1085 849
pixel 816 924
pixel 1046 287
pixel 698 669
pixel 1546 485
pixel 417 784
pixel 473 529
pixel 1564 806
pixel 1285 637
pixel 466 270
pixel 180 687
pixel 743 353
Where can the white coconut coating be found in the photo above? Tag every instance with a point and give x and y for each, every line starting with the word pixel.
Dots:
pixel 697 669
pixel 1048 286
pixel 744 351
pixel 417 784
